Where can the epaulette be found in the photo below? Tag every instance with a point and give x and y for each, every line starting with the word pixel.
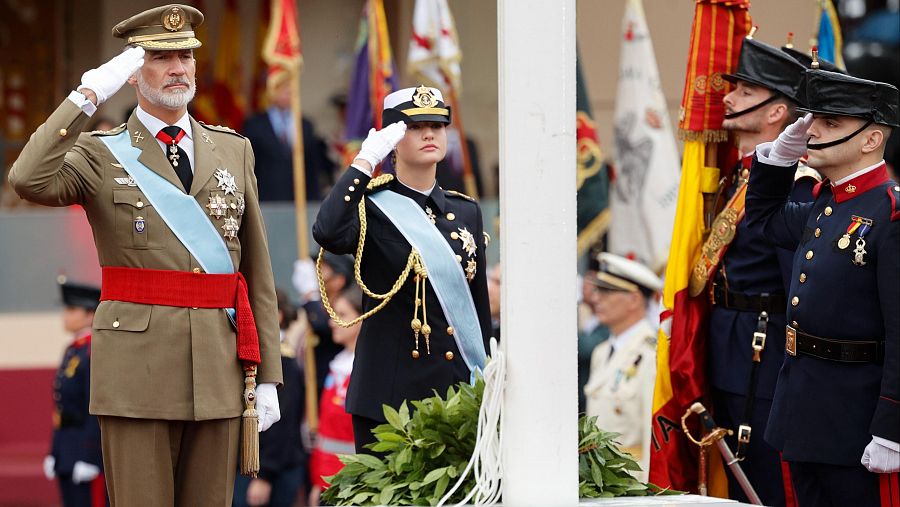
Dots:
pixel 459 194
pixel 379 181
pixel 894 195
pixel 805 171
pixel 220 128
pixel 111 132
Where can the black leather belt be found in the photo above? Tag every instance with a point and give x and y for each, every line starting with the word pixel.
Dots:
pixel 771 303
pixel 845 351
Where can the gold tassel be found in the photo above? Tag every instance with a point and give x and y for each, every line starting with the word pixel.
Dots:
pixel 250 426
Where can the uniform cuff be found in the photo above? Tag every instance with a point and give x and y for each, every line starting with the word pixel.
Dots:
pixel 81 101
pixel 765 155
pixel 890 444
pixel 360 169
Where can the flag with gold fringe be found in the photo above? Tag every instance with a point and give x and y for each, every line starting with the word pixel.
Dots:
pixel 718 30
pixel 829 37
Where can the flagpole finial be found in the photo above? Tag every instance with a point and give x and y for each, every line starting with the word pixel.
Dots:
pixel 815 57
pixel 790 40
pixel 752 31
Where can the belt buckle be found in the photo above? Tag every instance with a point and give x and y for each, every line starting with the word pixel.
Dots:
pixel 743 435
pixel 790 341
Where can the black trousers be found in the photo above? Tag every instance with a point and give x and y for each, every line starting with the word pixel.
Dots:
pixel 821 485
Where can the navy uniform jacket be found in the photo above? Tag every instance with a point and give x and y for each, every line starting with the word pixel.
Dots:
pixel 752 266
pixel 827 411
pixel 384 371
pixel 76 433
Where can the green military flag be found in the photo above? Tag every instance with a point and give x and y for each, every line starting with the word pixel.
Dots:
pixel 592 173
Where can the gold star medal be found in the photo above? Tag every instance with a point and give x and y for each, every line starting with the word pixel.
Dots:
pixel 216 206
pixel 471 267
pixel 226 181
pixel 230 227
pixel 468 241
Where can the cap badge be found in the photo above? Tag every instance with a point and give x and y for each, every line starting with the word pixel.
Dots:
pixel 424 97
pixel 173 19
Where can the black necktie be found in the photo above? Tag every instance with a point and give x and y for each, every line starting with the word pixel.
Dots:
pixel 171 135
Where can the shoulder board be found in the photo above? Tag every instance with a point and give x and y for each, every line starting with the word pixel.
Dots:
pixel 893 192
pixel 459 194
pixel 220 128
pixel 379 181
pixel 110 132
pixel 805 171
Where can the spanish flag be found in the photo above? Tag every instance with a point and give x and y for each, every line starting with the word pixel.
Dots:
pixel 718 29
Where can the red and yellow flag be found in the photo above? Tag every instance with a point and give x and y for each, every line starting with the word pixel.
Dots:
pixel 718 29
pixel 282 45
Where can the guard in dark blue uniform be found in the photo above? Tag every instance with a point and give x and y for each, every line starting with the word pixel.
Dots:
pixel 75 458
pixel 836 415
pixel 747 276
pixel 408 347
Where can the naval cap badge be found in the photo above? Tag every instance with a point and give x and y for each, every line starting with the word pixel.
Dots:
pixel 424 97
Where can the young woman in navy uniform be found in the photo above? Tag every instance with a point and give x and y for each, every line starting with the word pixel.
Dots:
pixel 836 415
pixel 408 347
pixel 75 459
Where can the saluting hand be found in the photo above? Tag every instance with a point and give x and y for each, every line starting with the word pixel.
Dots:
pixel 380 143
pixel 105 80
pixel 791 144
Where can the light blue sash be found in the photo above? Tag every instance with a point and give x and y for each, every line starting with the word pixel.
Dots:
pixel 180 211
pixel 444 272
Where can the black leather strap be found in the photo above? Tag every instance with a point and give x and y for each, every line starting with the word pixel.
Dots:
pixel 845 351
pixel 770 303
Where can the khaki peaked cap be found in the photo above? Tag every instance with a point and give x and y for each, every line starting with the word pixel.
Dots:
pixel 169 27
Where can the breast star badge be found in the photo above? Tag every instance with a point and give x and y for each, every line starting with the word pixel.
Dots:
pixel 226 181
pixel 471 267
pixel 230 227
pixel 430 214
pixel 217 206
pixel 468 241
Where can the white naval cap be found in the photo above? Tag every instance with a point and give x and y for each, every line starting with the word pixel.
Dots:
pixel 619 273
pixel 420 103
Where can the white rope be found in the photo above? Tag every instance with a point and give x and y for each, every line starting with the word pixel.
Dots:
pixel 486 458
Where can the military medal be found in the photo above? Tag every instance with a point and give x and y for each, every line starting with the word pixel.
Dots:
pixel 468 241
pixel 430 214
pixel 471 267
pixel 844 242
pixel 230 227
pixel 216 206
pixel 139 224
pixel 173 144
pixel 241 205
pixel 226 181
pixel 860 249
pixel 173 154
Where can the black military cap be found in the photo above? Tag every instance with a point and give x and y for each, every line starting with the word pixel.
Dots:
pixel 844 95
pixel 78 295
pixel 806 60
pixel 421 103
pixel 766 66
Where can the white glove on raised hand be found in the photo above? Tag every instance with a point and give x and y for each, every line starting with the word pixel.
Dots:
pixel 106 79
pixel 267 405
pixel 305 280
pixel 49 467
pixel 84 472
pixel 791 144
pixel 880 459
pixel 380 143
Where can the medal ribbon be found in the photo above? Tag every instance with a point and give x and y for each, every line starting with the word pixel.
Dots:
pixel 853 226
pixel 166 138
pixel 865 229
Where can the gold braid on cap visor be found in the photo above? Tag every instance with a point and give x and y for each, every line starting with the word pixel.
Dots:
pixel 425 110
pixel 616 282
pixel 153 37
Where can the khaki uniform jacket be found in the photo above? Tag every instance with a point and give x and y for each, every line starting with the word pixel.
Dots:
pixel 620 390
pixel 157 362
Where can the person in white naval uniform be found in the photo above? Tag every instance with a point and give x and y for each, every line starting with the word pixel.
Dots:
pixel 619 390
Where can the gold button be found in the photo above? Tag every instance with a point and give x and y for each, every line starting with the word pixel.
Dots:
pixel 63 132
pixel 139 204
pixel 196 270
pixel 351 188
pixel 827 211
pixel 818 232
pixel 450 330
pixel 794 324
pixel 356 181
pixel 809 255
pixel 449 356
pixel 116 323
pixel 347 198
pixel 454 235
pixel 802 277
pixel 415 354
pixel 459 258
pixel 795 301
pixel 450 216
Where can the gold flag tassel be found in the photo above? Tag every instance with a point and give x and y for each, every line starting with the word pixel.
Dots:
pixel 250 426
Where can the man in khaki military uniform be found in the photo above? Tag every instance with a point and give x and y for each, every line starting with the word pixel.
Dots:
pixel 167 381
pixel 619 390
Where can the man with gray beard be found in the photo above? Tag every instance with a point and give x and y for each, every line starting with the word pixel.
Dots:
pixel 187 320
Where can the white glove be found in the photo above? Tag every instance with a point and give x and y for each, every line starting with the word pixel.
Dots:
pixel 380 143
pixel 305 280
pixel 49 467
pixel 267 405
pixel 84 472
pixel 106 79
pixel 880 459
pixel 791 144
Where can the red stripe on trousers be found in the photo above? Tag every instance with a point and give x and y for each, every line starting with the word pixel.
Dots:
pixel 890 490
pixel 98 491
pixel 790 498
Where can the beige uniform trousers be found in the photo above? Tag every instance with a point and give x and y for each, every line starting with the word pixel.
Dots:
pixel 160 463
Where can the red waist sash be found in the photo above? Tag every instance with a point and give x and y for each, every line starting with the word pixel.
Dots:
pixel 187 290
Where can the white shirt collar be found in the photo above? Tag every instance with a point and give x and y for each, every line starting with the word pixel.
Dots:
pixel 154 124
pixel 423 192
pixel 865 170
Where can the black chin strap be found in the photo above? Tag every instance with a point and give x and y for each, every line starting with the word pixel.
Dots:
pixel 750 109
pixel 822 146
